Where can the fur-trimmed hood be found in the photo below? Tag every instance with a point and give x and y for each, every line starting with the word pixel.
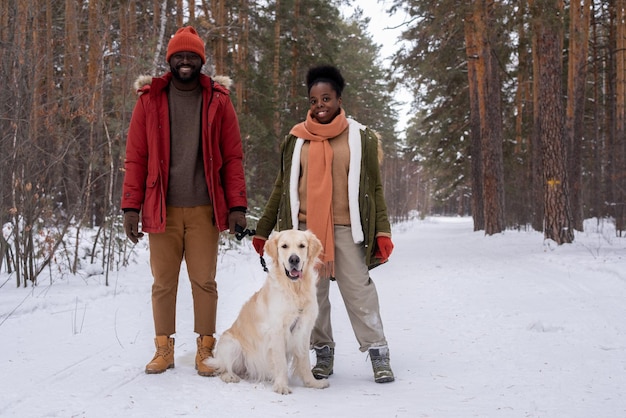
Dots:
pixel 145 80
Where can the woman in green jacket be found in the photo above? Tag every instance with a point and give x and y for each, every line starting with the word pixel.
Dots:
pixel 335 190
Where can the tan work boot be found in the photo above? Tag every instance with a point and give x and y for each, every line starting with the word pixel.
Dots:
pixel 205 350
pixel 164 356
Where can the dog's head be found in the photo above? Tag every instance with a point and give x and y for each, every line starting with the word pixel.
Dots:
pixel 293 251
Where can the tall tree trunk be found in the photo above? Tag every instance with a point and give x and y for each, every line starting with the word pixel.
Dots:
pixel 548 33
pixel 241 89
pixel 161 22
pixel 191 4
pixel 4 24
pixel 295 63
pixel 472 52
pixel 179 13
pixel 576 84
pixel 71 57
pixel 276 71
pixel 609 117
pixel 17 138
pixel 38 44
pixel 98 19
pixel 619 171
pixel 488 92
pixel 522 94
pixel 596 202
pixel 523 104
pixel 536 156
pixel 50 96
pixel 219 41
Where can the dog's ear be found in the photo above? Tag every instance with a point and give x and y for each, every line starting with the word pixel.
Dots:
pixel 271 246
pixel 315 245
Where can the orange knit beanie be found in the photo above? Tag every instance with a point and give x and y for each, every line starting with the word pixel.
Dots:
pixel 186 39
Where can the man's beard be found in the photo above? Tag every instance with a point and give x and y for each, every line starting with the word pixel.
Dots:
pixel 192 77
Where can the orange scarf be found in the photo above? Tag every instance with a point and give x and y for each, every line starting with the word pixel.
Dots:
pixel 319 187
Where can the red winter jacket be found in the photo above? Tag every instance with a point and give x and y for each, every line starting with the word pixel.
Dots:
pixel 148 154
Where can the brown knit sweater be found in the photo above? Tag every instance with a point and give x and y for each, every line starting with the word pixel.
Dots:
pixel 187 181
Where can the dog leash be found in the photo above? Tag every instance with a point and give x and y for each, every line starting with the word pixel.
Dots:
pixel 241 233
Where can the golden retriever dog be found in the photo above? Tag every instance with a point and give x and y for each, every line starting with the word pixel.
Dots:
pixel 271 335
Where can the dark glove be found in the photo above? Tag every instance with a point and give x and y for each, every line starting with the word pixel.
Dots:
pixel 385 247
pixel 237 217
pixel 131 226
pixel 258 243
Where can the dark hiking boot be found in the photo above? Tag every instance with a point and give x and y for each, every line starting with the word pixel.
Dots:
pixel 380 364
pixel 324 365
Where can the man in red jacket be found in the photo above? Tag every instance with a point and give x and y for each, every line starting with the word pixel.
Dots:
pixel 184 175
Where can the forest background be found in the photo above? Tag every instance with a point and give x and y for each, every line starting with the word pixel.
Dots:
pixel 518 114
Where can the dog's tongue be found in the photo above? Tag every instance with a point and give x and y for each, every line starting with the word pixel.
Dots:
pixel 295 273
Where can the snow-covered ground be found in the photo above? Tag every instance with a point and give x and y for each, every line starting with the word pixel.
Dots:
pixel 503 326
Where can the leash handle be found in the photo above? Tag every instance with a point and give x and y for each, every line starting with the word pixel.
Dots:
pixel 241 233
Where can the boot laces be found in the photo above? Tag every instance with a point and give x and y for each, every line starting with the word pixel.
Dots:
pixel 380 363
pixel 163 351
pixel 205 352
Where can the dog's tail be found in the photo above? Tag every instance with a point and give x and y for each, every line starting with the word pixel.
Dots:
pixel 214 363
pixel 227 357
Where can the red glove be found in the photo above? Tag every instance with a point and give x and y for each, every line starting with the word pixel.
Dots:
pixel 384 248
pixel 258 243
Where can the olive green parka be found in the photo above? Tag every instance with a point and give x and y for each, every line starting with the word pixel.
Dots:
pixel 371 200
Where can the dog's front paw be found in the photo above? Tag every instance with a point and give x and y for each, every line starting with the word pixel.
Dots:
pixel 282 389
pixel 317 384
pixel 230 378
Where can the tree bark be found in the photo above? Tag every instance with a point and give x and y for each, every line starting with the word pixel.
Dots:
pixel 576 84
pixel 179 13
pixel 548 33
pixel 472 53
pixel 489 108
pixel 161 23
pixel 241 88
pixel 597 207
pixel 276 71
pixel 619 171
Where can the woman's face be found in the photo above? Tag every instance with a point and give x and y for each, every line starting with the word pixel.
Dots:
pixel 323 102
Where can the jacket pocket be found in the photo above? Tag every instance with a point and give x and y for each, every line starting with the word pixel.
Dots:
pixel 151 212
pixel 152 180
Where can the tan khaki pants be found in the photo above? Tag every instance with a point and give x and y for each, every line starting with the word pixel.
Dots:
pixel 358 292
pixel 189 234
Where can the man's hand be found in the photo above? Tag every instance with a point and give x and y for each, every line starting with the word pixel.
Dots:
pixel 131 226
pixel 237 217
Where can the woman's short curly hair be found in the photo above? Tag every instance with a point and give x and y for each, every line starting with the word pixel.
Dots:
pixel 328 74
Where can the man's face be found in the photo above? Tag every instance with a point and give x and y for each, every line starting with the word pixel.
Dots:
pixel 186 66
